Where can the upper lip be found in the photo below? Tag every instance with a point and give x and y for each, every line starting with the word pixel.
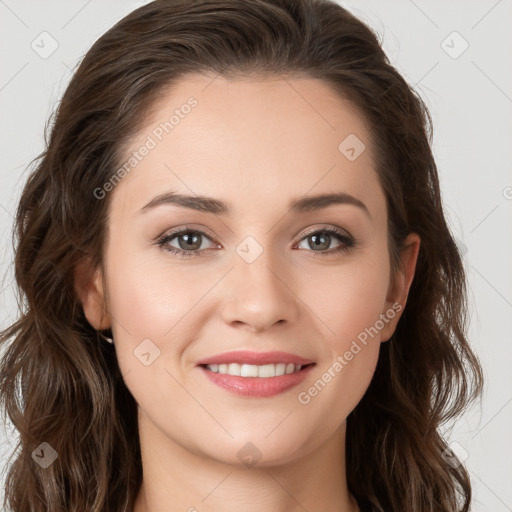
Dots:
pixel 255 358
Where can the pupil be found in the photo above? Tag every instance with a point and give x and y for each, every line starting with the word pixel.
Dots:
pixel 191 239
pixel 317 243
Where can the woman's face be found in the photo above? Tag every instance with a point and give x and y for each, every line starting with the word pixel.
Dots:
pixel 269 283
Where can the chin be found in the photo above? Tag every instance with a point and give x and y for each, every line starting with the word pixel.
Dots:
pixel 257 451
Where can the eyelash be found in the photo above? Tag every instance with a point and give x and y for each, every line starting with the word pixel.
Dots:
pixel 347 242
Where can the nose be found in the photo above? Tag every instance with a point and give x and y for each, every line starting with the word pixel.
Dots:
pixel 259 295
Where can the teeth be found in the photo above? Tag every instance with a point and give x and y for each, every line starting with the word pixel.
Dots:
pixel 290 368
pixel 251 370
pixel 280 369
pixel 267 370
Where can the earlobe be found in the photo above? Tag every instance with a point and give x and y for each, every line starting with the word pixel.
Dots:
pixel 398 290
pixel 89 288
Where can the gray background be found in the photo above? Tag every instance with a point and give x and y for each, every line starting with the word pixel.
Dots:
pixel 469 94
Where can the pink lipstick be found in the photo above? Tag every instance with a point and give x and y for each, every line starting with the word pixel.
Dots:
pixel 256 374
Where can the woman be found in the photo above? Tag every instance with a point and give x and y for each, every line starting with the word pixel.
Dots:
pixel 241 289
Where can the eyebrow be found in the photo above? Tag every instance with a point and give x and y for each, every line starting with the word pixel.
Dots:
pixel 218 207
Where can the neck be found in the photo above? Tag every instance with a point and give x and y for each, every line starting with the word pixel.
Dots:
pixel 177 479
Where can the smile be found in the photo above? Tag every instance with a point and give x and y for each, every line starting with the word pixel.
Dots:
pixel 264 371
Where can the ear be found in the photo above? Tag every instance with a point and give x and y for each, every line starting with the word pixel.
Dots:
pixel 89 288
pixel 399 285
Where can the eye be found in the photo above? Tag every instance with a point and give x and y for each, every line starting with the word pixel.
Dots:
pixel 321 239
pixel 189 241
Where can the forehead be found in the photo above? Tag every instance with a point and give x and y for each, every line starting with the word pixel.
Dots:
pixel 251 142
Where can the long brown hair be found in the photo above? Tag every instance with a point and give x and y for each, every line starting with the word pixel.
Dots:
pixel 61 384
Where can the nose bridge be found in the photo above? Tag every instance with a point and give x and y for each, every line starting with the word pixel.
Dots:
pixel 259 293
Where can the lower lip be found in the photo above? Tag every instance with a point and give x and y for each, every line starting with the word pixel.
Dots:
pixel 257 386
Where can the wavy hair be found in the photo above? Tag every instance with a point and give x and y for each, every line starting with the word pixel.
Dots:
pixel 61 384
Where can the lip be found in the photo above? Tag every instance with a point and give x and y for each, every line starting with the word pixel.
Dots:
pixel 255 386
pixel 256 358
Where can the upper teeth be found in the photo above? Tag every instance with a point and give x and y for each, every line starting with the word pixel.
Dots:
pixel 251 370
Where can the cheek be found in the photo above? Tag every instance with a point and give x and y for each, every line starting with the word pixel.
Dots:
pixel 349 305
pixel 347 298
pixel 151 301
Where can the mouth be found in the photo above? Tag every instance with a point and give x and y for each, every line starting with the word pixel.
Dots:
pixel 264 371
pixel 252 374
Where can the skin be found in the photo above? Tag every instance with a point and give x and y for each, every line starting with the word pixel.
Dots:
pixel 256 144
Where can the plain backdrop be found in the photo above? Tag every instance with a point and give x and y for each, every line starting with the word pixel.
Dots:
pixel 456 54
